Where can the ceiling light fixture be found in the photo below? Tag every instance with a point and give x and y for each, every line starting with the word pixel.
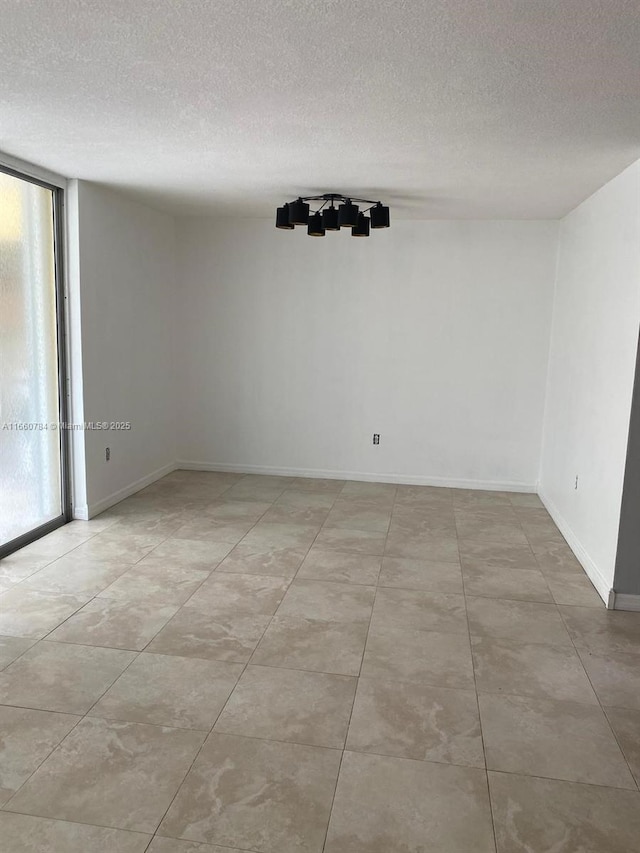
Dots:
pixel 331 218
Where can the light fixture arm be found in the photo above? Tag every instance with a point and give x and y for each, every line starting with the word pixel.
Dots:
pixel 337 197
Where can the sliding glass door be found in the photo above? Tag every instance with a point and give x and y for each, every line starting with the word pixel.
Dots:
pixel 33 492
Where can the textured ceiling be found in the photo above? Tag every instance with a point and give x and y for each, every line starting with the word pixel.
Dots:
pixel 444 108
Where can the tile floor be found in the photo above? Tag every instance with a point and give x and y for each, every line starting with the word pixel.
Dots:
pixel 226 662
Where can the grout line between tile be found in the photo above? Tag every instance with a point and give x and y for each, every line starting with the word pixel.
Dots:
pixel 600 705
pixel 246 664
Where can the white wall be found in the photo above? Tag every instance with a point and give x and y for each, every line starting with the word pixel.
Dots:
pixel 433 334
pixel 591 371
pixel 123 298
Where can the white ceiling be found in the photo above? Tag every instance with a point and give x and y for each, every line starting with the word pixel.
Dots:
pixel 444 108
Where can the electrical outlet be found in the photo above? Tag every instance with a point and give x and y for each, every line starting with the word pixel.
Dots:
pixel 376 438
pixel 107 454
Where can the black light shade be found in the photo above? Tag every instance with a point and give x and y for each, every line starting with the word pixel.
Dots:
pixel 330 219
pixel 348 214
pixel 315 227
pixel 282 218
pixel 298 212
pixel 331 212
pixel 362 228
pixel 379 216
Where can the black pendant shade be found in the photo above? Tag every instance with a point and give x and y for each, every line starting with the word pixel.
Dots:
pixel 298 212
pixel 333 212
pixel 361 229
pixel 379 216
pixel 348 214
pixel 282 218
pixel 330 218
pixel 315 227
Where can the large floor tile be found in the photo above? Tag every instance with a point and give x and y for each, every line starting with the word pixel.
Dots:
pixel 414 721
pixel 501 582
pixel 337 602
pixel 615 678
pixel 61 677
pixel 62 540
pixel 603 631
pixel 424 611
pixel 530 669
pixel 555 557
pixel 384 804
pixel 348 539
pixel 75 576
pixel 318 645
pixel 138 508
pixel 559 740
pixel 170 691
pixel 115 624
pixel 27 834
pixel 278 562
pixel 26 739
pixel 496 555
pixel 416 496
pixel 520 621
pixel 267 535
pixel 359 516
pixel 33 614
pixel 11 648
pixel 282 514
pixel 361 490
pixel 485 503
pixel 431 521
pixel 200 633
pixel 124 548
pixel 253 494
pixel 430 657
pixel 250 490
pixel 317 484
pixel 421 546
pixel 517 499
pixel 427 575
pixel 480 499
pixel 290 705
pixel 341 566
pixel 573 588
pixel 206 529
pixel 234 594
pixel 110 773
pixel 306 499
pixel 564 817
pixel 626 727
pixel 153 580
pixel 256 795
pixel 538 526
pixel 233 511
pixel 487 526
pixel 160 524
pixel 23 563
pixel 188 552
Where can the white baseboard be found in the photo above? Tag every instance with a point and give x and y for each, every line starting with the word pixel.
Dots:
pixel 80 512
pixel 595 575
pixel 85 512
pixel 626 601
pixel 402 479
